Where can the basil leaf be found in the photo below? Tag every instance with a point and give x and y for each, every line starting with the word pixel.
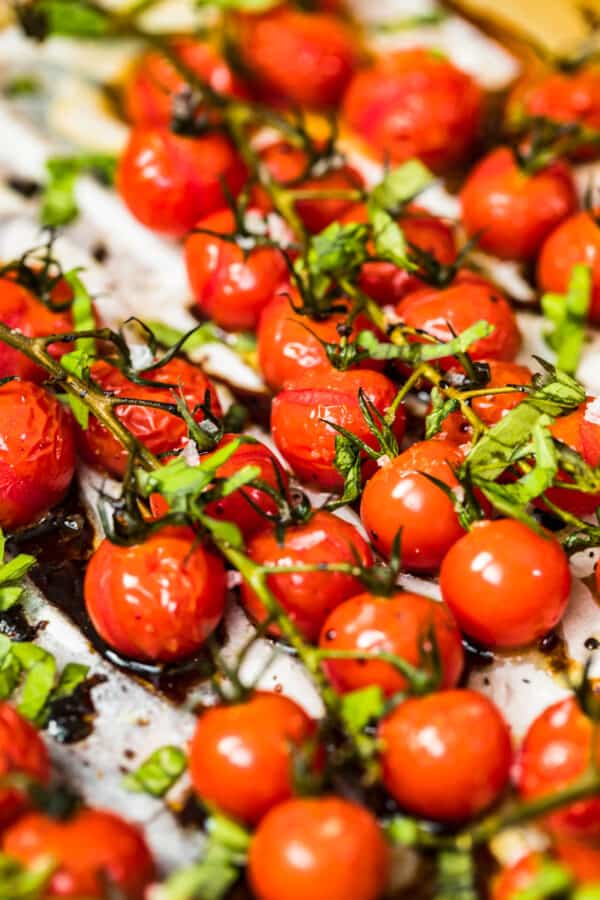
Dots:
pixel 78 362
pixel 415 352
pixel 568 314
pixel 71 677
pixel 441 407
pixel 358 708
pixel 74 18
pixel 158 773
pixel 388 238
pixel 59 206
pixel 41 674
pixel 242 342
pixel 224 531
pixel 238 480
pixel 10 668
pixel 19 882
pixel 550 880
pixel 401 184
pixel 348 463
pixel 335 254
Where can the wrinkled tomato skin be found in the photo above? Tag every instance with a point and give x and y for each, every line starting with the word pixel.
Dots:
pixel 231 286
pixel 160 431
pixel 306 60
pixel 21 751
pixel 37 453
pixel 446 756
pixel 512 212
pixel 241 756
pixel 506 585
pixel 415 103
pixel 398 497
pixel 169 182
pixel 307 597
pixel 576 240
pixel 325 848
pixel 555 752
pixel 90 849
pixel 307 443
pixel 469 299
pixel 582 860
pixel 401 624
pixel 569 430
pixel 156 601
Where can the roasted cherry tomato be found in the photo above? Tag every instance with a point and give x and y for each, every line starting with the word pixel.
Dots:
pixel 158 600
pixel 590 432
pixel 399 496
pixel 160 431
pixel 441 312
pixel 169 182
pixel 446 756
pixel 307 442
pixel 581 860
pixel 232 283
pixel 506 585
pixel 37 453
pixel 569 430
pixel 92 849
pixel 575 240
pixel 319 46
pixel 404 624
pixel 241 756
pixel 510 211
pixel 325 848
pixel 21 751
pixel 555 752
pixel 308 597
pixel 415 103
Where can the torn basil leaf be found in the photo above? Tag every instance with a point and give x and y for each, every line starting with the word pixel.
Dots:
pixel 568 315
pixel 441 407
pixel 59 206
pixel 158 773
pixel 360 707
pixel 415 352
pixel 388 238
pixel 401 184
pixel 349 464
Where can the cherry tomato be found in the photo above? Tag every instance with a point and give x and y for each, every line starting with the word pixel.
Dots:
pixel 319 46
pixel 447 755
pixel 21 751
pixel 158 600
pixel 231 284
pixel 512 212
pixel 241 756
pixel 37 453
pixel 399 496
pixel 590 432
pixel 575 240
pixel 325 848
pixel 401 624
pixel 307 597
pixel 160 431
pixel 415 103
pixel 582 860
pixel 307 442
pixel 555 752
pixel 506 585
pixel 169 182
pixel 469 299
pixel 569 430
pixel 90 849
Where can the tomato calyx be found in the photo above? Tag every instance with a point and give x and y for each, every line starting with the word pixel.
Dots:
pixel 547 140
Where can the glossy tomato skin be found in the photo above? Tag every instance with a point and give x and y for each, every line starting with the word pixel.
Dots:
pixel 570 430
pixel 506 585
pixel 308 597
pixel 415 103
pixel 398 496
pixel 306 442
pixel 21 750
pixel 590 432
pixel 582 860
pixel 169 182
pixel 575 240
pixel 156 601
pixel 241 756
pixel 91 848
pixel 447 755
pixel 160 431
pixel 401 624
pixel 37 453
pixel 511 211
pixel 555 752
pixel 325 848
pixel 231 286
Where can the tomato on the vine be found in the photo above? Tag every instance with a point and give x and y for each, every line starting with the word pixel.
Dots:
pixel 575 240
pixel 581 860
pixel 21 751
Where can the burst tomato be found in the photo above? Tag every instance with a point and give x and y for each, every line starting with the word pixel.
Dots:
pixel 158 600
pixel 21 751
pixel 576 240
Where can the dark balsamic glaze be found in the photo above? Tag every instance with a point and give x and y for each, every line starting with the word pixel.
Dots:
pixel 554 649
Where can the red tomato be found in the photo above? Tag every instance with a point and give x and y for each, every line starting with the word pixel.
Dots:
pixel 241 756
pixel 590 432
pixel 37 453
pixel 325 848
pixel 90 849
pixel 415 103
pixel 569 430
pixel 506 585
pixel 306 442
pixel 401 624
pixel 555 752
pixel 469 299
pixel 582 860
pixel 169 182
pixel 308 597
pixel 399 496
pixel 446 756
pixel 158 600
pixel 159 431
pixel 231 285
pixel 21 751
pixel 304 59
pixel 575 240
pixel 512 212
